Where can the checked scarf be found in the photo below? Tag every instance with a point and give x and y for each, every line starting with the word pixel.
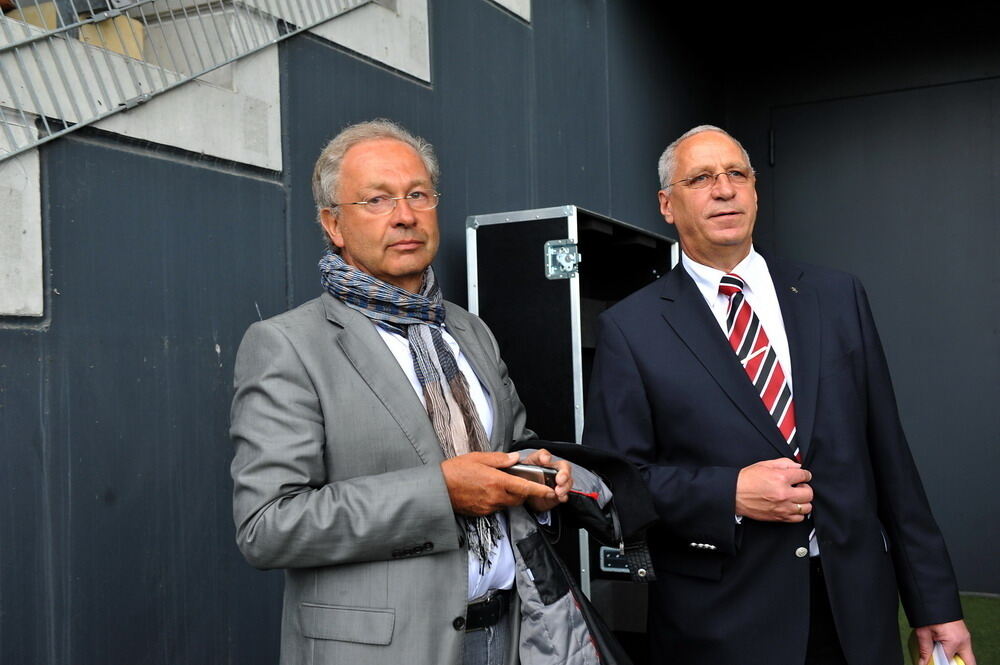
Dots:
pixel 419 318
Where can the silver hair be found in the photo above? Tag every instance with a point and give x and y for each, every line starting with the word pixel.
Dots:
pixel 326 173
pixel 668 160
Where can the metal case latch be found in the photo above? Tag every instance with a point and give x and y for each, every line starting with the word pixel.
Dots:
pixel 561 259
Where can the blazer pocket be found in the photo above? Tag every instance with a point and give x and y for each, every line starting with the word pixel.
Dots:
pixel 363 625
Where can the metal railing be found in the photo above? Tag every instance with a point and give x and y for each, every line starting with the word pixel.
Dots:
pixel 65 64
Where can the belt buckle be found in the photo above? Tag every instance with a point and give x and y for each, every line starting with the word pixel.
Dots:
pixel 486 612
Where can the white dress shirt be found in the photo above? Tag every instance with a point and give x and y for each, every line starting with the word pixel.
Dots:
pixel 500 575
pixel 759 292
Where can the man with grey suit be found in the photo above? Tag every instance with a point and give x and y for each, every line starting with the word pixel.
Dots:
pixel 370 425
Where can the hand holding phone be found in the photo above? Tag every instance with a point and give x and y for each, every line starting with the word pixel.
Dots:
pixel 536 474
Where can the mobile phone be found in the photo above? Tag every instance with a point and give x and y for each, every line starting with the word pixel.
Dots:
pixel 536 474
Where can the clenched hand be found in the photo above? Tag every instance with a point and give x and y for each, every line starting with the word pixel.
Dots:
pixel 774 491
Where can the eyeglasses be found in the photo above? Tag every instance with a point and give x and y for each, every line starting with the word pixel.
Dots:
pixel 702 180
pixel 418 199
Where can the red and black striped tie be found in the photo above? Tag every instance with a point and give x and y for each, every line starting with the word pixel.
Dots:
pixel 755 353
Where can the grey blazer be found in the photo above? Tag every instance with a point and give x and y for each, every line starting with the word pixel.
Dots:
pixel 337 480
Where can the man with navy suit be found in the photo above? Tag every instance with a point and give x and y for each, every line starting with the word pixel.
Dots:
pixel 754 395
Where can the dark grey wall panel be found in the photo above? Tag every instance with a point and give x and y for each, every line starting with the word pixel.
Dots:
pixel 25 527
pixel 482 115
pixel 662 81
pixel 887 51
pixel 901 189
pixel 570 124
pixel 125 418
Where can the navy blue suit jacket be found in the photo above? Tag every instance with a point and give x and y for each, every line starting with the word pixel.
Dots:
pixel 668 393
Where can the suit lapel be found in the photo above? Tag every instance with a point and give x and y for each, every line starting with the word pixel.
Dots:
pixel 685 309
pixel 800 313
pixel 360 342
pixel 481 363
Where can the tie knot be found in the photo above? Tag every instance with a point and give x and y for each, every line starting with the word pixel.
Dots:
pixel 731 284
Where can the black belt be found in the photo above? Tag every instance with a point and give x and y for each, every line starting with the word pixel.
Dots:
pixel 487 612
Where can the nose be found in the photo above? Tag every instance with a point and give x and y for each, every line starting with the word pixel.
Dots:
pixel 402 214
pixel 723 188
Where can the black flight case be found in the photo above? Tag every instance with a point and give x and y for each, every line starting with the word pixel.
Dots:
pixel 540 278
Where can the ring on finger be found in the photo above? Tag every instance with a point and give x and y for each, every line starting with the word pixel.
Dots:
pixel 798 508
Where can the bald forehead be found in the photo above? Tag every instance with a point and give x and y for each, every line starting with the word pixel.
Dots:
pixel 708 151
pixel 379 164
pixel 368 150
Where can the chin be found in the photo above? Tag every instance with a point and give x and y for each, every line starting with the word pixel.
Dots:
pixel 731 240
pixel 409 269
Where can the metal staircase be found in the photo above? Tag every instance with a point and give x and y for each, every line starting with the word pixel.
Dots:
pixel 65 64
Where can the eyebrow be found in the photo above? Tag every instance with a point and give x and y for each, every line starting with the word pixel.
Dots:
pixel 419 182
pixel 708 169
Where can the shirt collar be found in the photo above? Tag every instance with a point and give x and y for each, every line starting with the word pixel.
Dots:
pixel 752 269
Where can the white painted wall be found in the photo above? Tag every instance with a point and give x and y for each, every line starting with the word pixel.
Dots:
pixel 520 7
pixel 21 268
pixel 233 113
pixel 399 39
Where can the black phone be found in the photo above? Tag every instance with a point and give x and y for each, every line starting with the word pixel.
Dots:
pixel 536 474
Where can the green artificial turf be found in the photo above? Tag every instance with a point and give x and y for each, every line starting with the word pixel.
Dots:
pixel 982 614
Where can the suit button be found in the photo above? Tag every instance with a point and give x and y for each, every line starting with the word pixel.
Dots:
pixel 458 623
pixel 801 552
pixel 428 547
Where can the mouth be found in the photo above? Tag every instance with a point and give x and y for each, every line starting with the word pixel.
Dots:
pixel 723 214
pixel 407 244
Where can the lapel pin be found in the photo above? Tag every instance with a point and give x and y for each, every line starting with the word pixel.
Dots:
pixel 793 289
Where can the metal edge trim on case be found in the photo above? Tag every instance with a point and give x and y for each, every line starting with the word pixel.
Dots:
pixel 576 339
pixel 475 221
pixel 472 267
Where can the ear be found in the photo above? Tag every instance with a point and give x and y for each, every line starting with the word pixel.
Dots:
pixel 331 225
pixel 665 209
